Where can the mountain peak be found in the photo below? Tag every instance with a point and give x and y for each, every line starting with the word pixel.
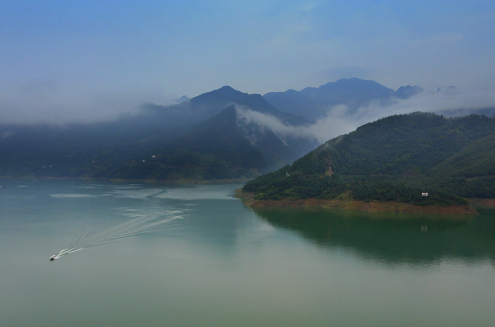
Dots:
pixel 225 92
pixel 313 103
pixel 407 91
pixel 352 79
pixel 182 99
pixel 227 88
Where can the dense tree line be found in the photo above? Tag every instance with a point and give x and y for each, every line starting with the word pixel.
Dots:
pixel 300 186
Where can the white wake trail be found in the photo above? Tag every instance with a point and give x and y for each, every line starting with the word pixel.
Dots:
pixel 138 222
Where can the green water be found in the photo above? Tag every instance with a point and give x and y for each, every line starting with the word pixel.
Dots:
pixel 218 263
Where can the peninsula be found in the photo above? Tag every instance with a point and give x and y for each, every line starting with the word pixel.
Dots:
pixel 402 163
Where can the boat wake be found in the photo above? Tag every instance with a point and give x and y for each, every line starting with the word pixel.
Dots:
pixel 126 223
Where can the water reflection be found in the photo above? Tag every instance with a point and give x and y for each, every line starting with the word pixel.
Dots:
pixel 392 239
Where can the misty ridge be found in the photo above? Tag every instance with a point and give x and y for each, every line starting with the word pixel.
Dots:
pixel 221 134
pixel 329 115
pixel 328 111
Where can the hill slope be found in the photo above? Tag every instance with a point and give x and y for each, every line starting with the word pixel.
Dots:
pixel 394 158
pixel 219 148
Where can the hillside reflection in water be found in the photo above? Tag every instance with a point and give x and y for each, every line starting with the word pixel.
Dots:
pixel 392 239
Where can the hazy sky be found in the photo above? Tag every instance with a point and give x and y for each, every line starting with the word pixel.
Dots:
pixel 106 56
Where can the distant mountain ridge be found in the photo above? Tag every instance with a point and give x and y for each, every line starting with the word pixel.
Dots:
pixel 208 104
pixel 314 103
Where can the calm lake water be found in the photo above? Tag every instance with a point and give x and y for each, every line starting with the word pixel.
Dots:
pixel 214 262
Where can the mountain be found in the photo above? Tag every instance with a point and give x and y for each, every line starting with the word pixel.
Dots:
pixel 314 103
pixel 182 99
pixel 144 144
pixel 223 147
pixel 211 103
pixel 395 158
pixel 214 149
pixel 405 92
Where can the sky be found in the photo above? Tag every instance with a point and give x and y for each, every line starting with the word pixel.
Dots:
pixel 70 60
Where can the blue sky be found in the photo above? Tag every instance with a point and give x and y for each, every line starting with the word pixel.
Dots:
pixel 54 53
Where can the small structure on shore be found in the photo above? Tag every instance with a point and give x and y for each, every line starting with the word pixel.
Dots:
pixel 424 194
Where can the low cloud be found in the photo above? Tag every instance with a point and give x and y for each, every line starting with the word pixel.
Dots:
pixel 281 130
pixel 48 101
pixel 342 119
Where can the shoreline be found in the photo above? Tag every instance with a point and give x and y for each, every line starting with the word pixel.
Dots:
pixel 482 203
pixel 348 204
pixel 146 181
pixel 344 204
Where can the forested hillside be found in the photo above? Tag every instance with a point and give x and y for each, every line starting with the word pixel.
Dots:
pixel 215 149
pixel 395 158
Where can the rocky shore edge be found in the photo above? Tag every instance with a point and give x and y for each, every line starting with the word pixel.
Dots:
pixel 350 204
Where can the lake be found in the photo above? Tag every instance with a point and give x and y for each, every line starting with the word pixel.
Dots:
pixel 157 255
